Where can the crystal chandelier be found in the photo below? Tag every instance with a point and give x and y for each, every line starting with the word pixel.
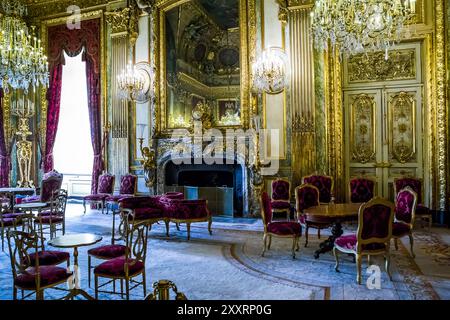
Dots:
pixel 22 60
pixel 355 26
pixel 270 71
pixel 135 82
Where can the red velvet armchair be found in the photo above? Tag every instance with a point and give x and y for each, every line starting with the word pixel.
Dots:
pixel 279 229
pixel 405 213
pixel 281 197
pixel 28 272
pixel 325 184
pixel 105 189
pixel 307 196
pixel 146 210
pixel 416 185
pixel 51 182
pixel 361 190
pixel 128 188
pixel 375 221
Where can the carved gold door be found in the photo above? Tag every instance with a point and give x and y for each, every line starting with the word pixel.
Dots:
pixel 383 132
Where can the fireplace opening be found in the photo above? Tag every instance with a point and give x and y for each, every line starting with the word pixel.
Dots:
pixel 208 176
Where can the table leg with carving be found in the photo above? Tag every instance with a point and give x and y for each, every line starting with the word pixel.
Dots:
pixel 327 245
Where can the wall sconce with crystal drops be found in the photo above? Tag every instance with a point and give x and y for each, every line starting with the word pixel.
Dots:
pixel 270 71
pixel 135 82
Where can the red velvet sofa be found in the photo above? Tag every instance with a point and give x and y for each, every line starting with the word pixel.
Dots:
pixel 171 207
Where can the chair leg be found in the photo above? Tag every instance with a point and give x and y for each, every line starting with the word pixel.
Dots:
pixel 336 257
pixel 127 288
pixel 209 226
pixel 358 268
pixel 265 245
pixel 144 283
pixel 121 288
pixel 103 207
pixel 270 242
pixel 178 226
pixel 396 244
pixel 293 247
pixel 387 257
pixel 96 286
pixel 188 226
pixel 3 239
pixel 14 293
pixel 368 260
pixel 318 233
pixel 411 242
pixel 306 236
pixel 40 295
pixel 298 243
pixel 84 206
pixel 89 271
pixel 167 222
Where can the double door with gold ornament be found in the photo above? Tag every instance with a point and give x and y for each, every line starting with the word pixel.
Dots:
pixel 383 134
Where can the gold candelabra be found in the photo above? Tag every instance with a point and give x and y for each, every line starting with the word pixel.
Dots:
pixel 23 109
pixel 149 159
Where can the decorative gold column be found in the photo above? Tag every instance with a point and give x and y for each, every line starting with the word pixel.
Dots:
pixel 302 90
pixel 123 26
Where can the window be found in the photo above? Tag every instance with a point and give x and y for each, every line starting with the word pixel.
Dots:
pixel 73 154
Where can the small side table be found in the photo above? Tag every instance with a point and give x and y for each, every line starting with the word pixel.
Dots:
pixel 75 241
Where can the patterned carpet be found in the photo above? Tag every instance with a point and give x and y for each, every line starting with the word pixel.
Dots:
pixel 228 265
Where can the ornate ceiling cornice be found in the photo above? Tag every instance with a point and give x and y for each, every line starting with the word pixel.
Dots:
pixel 46 8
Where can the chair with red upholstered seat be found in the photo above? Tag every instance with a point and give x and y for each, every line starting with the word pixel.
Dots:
pixel 375 220
pixel 280 229
pixel 416 185
pixel 10 221
pixel 405 213
pixel 307 196
pixel 281 197
pixel 51 182
pixel 128 188
pixel 105 189
pixel 146 210
pixel 54 217
pixel 129 266
pixel 361 189
pixel 28 272
pixel 325 184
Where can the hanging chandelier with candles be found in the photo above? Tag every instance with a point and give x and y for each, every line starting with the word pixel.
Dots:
pixel 355 26
pixel 270 71
pixel 22 59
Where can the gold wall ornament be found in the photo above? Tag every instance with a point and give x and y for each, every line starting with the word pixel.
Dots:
pixel 148 164
pixel 402 126
pixel 118 19
pixel 370 67
pixel 161 291
pixel 362 128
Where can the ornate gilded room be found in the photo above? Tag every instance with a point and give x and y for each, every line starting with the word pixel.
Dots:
pixel 153 149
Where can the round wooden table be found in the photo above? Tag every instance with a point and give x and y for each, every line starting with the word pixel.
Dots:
pixel 333 214
pixel 75 241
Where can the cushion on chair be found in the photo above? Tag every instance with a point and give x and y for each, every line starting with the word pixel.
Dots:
pixel 148 213
pixel 400 229
pixel 116 267
pixel 404 207
pixel 49 258
pixel 106 184
pixel 128 184
pixel 280 205
pixel 117 197
pixel 422 210
pixel 96 197
pixel 283 228
pixel 413 183
pixel 266 208
pixel 14 215
pixel 52 218
pixel 8 222
pixel 187 209
pixel 108 251
pixel 280 190
pixel 348 242
pixel 362 190
pixel 306 197
pixel 324 184
pixel 49 275
pixel 31 199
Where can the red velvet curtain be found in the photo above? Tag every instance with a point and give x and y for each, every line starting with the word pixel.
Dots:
pixel 5 153
pixel 73 42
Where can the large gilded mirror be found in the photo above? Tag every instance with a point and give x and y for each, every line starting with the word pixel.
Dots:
pixel 204 62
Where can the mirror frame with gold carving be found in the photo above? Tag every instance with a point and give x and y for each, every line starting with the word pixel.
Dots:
pixel 247 25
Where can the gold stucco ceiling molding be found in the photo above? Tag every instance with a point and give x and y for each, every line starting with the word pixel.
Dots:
pixel 38 9
pixel 290 5
pixel 124 20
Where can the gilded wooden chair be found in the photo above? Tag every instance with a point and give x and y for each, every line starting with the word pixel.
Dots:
pixel 281 197
pixel 105 189
pixel 279 229
pixel 131 265
pixel 128 188
pixel 307 196
pixel 416 185
pixel 361 189
pixel 405 214
pixel 28 273
pixel 325 184
pixel 375 221
pixel 53 219
pixel 10 221
pixel 51 182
